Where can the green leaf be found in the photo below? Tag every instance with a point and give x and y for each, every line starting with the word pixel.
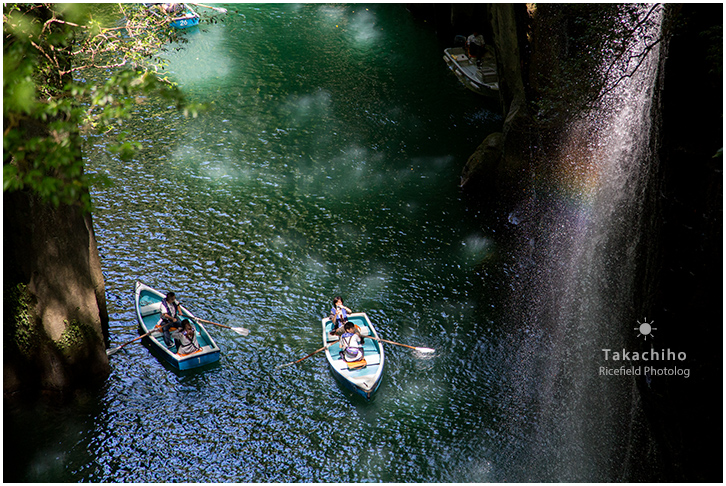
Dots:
pixel 20 96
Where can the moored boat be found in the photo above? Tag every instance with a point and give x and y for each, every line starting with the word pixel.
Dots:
pixel 148 312
pixel 361 377
pixel 482 78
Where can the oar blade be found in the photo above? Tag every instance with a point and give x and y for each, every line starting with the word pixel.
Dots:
pixel 419 349
pixel 115 350
pixel 241 331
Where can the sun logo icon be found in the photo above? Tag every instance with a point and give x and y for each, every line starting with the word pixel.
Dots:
pixel 645 328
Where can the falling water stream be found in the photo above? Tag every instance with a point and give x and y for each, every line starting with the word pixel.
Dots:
pixel 579 274
pixel 329 164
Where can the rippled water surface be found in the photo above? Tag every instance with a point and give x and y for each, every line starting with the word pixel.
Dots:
pixel 328 163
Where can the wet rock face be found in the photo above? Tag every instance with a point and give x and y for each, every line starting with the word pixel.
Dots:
pixel 677 286
pixel 484 161
pixel 499 165
pixel 55 317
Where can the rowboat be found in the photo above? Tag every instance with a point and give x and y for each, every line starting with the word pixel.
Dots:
pixel 481 79
pixel 361 377
pixel 148 313
pixel 188 18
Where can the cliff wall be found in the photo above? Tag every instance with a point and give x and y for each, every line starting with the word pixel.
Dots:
pixel 502 160
pixel 685 210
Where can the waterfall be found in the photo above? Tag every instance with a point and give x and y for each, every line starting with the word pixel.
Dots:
pixel 577 283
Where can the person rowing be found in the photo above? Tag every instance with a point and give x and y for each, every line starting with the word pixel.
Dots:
pixel 186 339
pixel 351 343
pixel 170 313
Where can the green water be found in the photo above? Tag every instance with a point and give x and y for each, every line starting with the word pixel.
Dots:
pixel 328 163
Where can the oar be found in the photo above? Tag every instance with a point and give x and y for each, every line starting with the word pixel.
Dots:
pixel 419 349
pixel 218 9
pixel 239 330
pixel 306 357
pixel 115 350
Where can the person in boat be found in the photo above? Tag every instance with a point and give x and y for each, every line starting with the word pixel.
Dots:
pixel 351 343
pixel 169 316
pixel 339 315
pixel 475 46
pixel 186 339
pixel 172 8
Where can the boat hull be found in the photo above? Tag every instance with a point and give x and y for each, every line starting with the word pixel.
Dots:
pixel 482 80
pixel 363 381
pixel 185 21
pixel 147 303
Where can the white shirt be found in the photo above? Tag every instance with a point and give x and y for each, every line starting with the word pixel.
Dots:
pixel 478 40
pixel 352 347
pixel 165 308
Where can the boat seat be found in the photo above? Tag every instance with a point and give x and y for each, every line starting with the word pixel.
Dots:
pixel 362 363
pixel 149 309
pixel 371 360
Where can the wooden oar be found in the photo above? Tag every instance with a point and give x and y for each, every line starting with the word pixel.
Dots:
pixel 239 330
pixel 218 9
pixel 306 357
pixel 115 350
pixel 419 349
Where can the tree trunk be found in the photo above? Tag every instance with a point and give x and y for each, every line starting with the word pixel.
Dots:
pixel 55 321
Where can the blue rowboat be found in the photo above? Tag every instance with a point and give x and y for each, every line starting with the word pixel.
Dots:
pixel 364 377
pixel 148 313
pixel 188 18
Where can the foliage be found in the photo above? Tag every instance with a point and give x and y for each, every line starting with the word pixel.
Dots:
pixel 75 335
pixel 20 335
pixel 55 59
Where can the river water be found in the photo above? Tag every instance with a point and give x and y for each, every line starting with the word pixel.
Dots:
pixel 328 164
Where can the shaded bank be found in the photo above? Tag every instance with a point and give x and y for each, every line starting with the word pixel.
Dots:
pixel 689 298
